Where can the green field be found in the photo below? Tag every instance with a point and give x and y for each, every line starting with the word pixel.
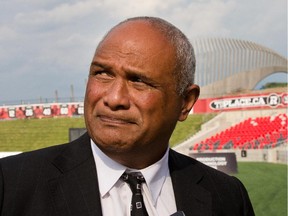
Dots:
pixel 266 183
pixel 30 134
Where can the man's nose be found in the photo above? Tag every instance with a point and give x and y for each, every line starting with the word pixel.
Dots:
pixel 117 95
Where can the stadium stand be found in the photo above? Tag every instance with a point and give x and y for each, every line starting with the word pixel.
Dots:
pixel 252 133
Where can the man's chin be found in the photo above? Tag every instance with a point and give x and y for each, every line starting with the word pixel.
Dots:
pixel 115 145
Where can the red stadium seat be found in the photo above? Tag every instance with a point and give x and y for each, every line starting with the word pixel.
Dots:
pixel 252 133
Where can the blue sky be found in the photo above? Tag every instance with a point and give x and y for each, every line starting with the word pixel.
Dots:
pixel 47 45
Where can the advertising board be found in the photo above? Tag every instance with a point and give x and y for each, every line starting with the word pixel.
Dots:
pixel 225 162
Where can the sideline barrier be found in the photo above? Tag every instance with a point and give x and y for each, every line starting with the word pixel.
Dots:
pixel 208 105
pixel 242 102
pixel 41 110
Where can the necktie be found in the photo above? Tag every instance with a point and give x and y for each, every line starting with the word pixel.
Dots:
pixel 134 180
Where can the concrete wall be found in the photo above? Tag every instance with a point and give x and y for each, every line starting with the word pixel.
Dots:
pixel 276 155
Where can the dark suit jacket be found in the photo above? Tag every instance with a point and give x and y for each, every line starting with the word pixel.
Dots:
pixel 62 181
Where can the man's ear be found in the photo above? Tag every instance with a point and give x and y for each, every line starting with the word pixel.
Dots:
pixel 190 97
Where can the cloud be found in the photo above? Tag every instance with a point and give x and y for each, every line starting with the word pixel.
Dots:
pixel 116 9
pixel 49 44
pixel 264 23
pixel 60 14
pixel 193 17
pixel 203 17
pixel 7 33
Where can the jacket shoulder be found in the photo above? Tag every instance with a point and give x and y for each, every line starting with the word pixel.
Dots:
pixel 227 192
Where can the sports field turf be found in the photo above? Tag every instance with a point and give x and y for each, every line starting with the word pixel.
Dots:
pixel 266 184
pixel 30 134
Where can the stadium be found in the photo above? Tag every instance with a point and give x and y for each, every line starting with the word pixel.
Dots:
pixel 231 123
pixel 251 123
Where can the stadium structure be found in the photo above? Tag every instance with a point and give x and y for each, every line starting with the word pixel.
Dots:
pixel 229 65
pixel 250 124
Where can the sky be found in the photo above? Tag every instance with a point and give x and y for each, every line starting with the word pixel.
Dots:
pixel 46 46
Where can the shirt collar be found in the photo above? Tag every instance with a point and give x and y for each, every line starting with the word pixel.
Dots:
pixel 155 175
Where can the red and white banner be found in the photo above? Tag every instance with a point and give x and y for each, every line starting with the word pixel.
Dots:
pixel 41 110
pixel 241 102
pixel 207 105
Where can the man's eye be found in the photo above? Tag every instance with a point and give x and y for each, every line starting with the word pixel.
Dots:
pixel 140 83
pixel 102 75
pixel 99 73
pixel 137 80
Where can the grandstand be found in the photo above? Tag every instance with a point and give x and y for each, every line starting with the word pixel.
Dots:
pixel 262 134
pixel 252 124
pixel 253 133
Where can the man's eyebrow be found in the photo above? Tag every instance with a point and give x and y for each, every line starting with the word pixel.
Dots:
pixel 100 65
pixel 134 73
pixel 142 76
pixel 130 73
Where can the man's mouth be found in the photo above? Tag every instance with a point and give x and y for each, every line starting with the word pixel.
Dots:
pixel 115 120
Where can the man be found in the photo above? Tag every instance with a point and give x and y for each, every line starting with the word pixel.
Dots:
pixel 140 84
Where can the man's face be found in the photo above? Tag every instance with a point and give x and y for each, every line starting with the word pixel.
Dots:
pixel 130 103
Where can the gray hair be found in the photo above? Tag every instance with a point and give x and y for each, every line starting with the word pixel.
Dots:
pixel 184 70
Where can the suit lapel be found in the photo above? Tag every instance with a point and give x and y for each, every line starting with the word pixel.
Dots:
pixel 190 197
pixel 75 191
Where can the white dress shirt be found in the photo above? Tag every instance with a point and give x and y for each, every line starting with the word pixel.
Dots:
pixel 116 195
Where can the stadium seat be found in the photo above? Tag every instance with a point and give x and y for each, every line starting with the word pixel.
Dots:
pixel 252 133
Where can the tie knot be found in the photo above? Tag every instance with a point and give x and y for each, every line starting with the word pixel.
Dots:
pixel 134 180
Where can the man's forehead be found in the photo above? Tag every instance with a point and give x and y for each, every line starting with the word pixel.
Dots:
pixel 139 39
pixel 140 30
pixel 132 25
